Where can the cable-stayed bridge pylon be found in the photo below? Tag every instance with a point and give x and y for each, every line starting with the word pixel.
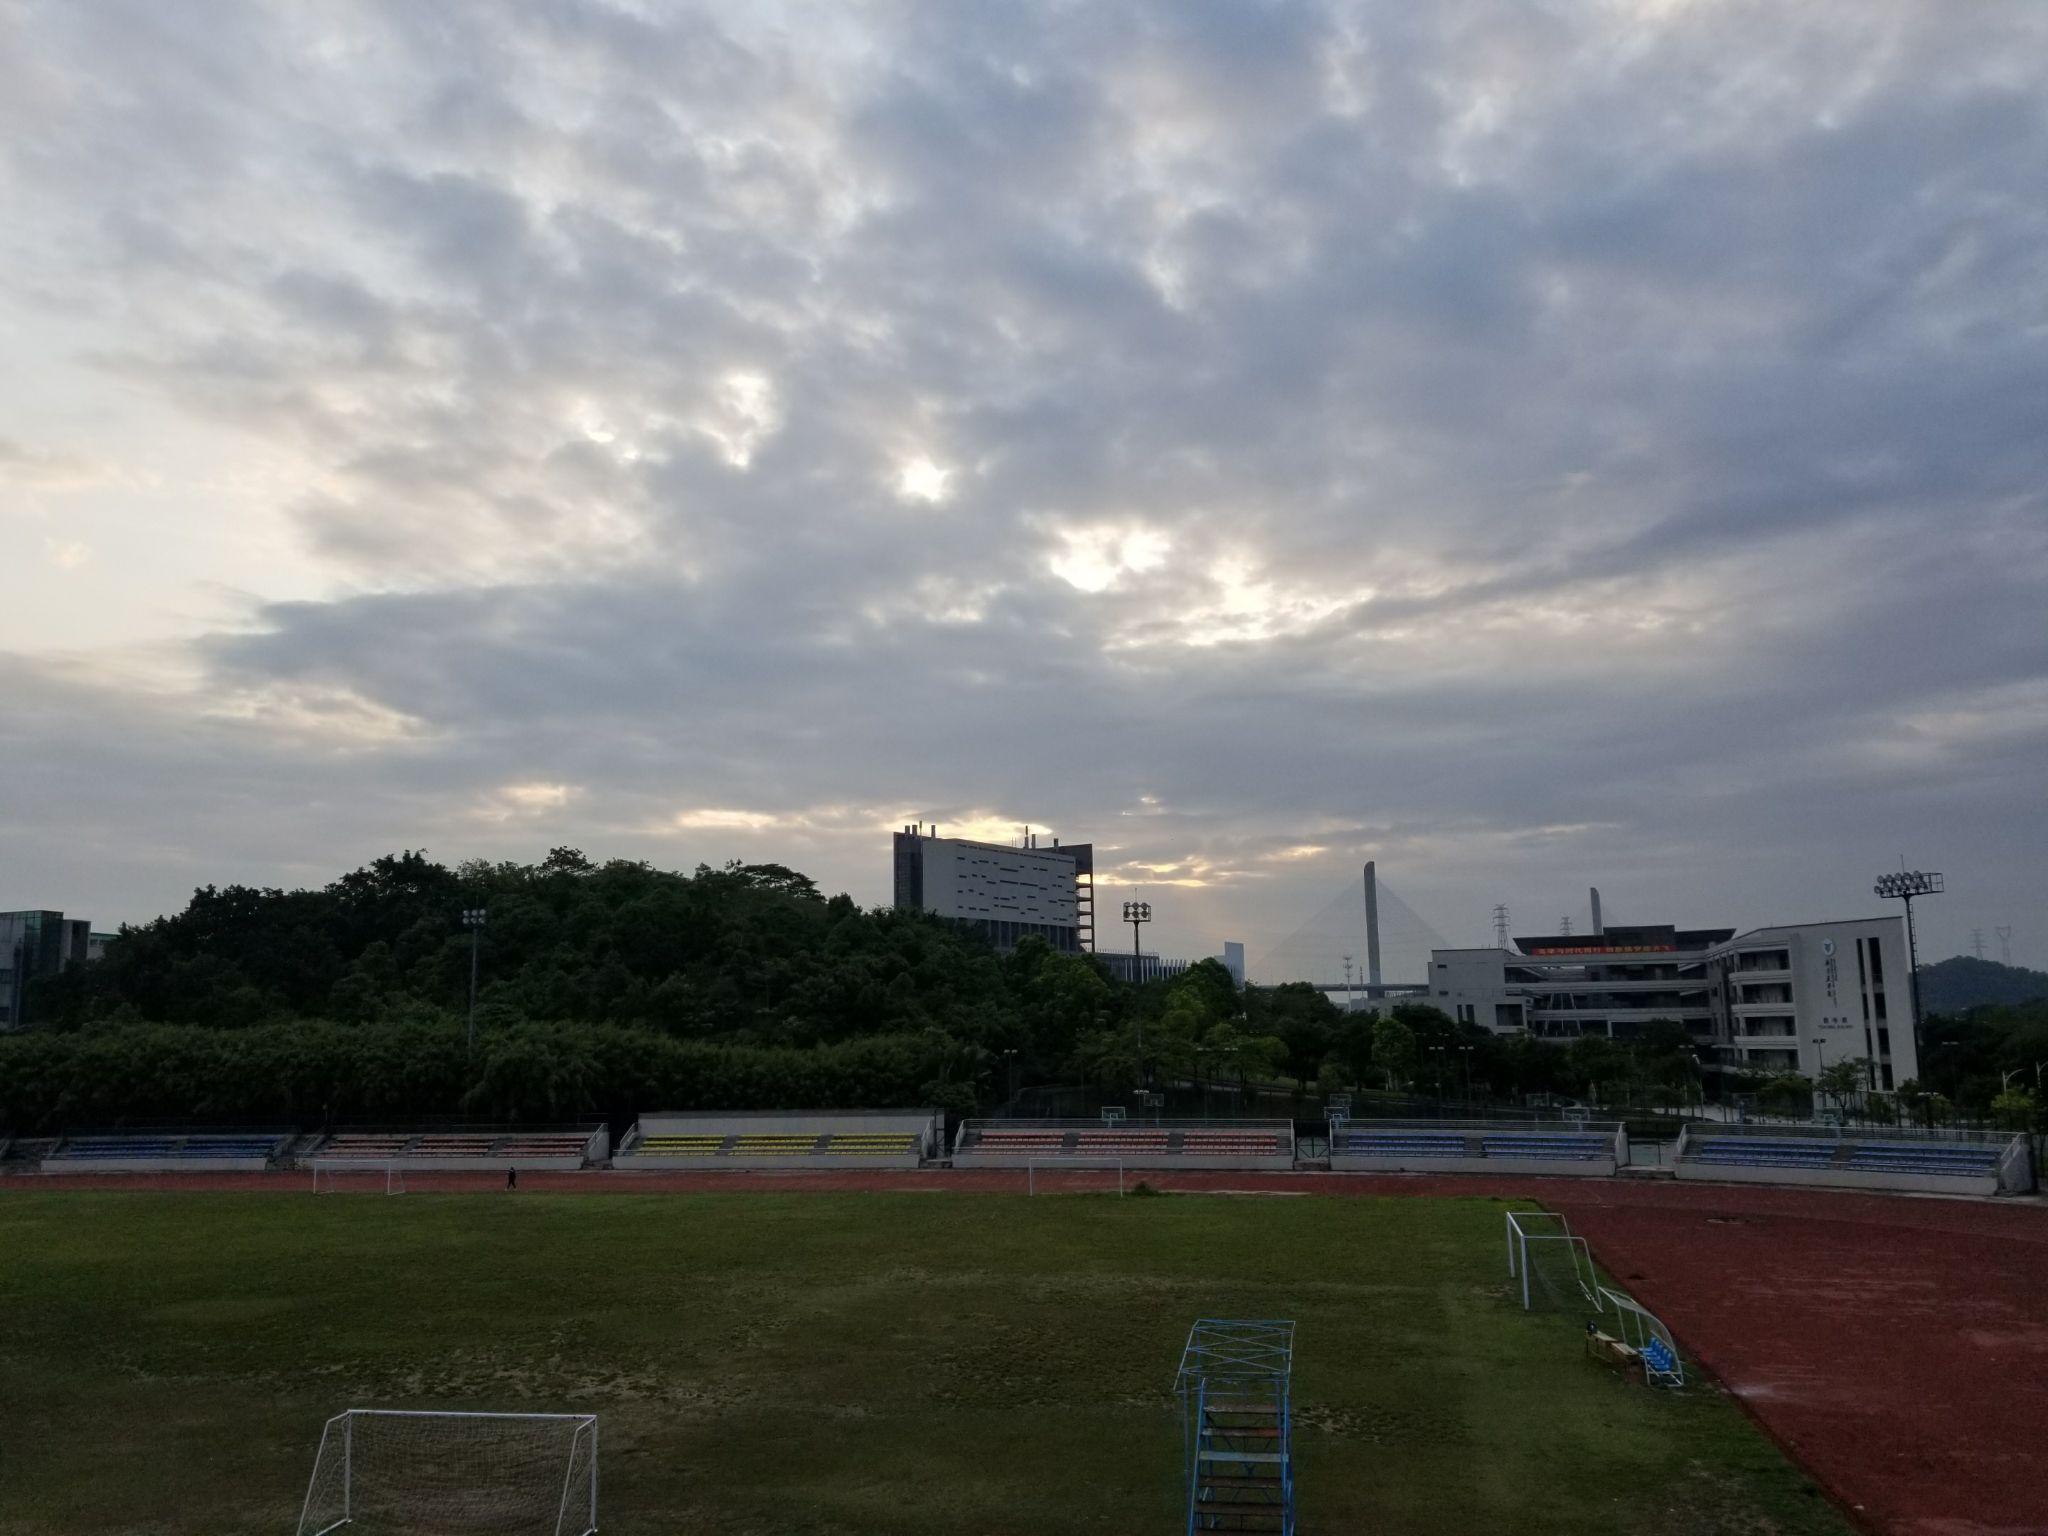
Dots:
pixel 1364 941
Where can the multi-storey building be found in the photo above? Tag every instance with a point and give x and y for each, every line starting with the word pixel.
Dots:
pixel 1005 892
pixel 36 944
pixel 1795 998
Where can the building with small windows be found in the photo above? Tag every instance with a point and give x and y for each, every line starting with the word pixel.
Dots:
pixel 36 944
pixel 1008 893
pixel 1794 998
pixel 1041 889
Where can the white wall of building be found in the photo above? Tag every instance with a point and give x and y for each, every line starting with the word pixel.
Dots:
pixel 1843 991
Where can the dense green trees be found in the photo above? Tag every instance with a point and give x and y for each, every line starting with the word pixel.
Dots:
pixel 608 989
pixel 315 1072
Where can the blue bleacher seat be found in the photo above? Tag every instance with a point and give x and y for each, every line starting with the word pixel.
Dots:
pixel 1961 1160
pixel 1401 1144
pixel 1554 1145
pixel 201 1147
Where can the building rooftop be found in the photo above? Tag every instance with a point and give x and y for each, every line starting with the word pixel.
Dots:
pixel 1631 939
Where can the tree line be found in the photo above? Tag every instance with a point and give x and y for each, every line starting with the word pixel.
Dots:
pixel 608 989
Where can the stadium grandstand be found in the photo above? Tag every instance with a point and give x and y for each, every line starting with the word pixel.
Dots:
pixel 166 1151
pixel 1594 1148
pixel 562 1148
pixel 1937 1162
pixel 1164 1144
pixel 841 1138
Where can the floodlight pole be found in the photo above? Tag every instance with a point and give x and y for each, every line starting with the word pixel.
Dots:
pixel 1138 913
pixel 473 920
pixel 1904 886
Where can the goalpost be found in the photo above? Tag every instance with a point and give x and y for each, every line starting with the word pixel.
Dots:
pixel 403 1473
pixel 333 1176
pixel 1554 1266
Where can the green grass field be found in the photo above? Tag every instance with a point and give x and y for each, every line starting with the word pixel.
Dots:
pixel 848 1364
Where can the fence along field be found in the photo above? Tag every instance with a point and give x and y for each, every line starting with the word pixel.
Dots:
pixel 846 1363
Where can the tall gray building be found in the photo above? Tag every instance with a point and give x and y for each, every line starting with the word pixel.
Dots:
pixel 1008 893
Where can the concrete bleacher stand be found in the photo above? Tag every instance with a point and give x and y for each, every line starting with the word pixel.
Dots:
pixel 1871 1157
pixel 1160 1144
pixel 1596 1148
pixel 561 1148
pixel 169 1151
pixel 818 1138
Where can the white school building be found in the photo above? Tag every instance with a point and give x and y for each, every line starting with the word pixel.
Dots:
pixel 1796 997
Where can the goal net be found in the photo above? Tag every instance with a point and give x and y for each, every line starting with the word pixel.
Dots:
pixel 1549 1265
pixel 357 1177
pixel 383 1472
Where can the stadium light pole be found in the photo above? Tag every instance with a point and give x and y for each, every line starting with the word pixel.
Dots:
pixel 1137 914
pixel 1904 886
pixel 473 920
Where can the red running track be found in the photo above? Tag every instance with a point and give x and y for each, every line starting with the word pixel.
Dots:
pixel 1896 1346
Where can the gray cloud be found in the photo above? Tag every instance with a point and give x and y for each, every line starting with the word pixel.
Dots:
pixel 1599 444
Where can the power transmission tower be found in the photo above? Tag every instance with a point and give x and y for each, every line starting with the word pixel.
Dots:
pixel 1500 926
pixel 1564 925
pixel 2004 944
pixel 1977 942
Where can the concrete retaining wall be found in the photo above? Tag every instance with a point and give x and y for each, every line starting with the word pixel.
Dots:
pixel 63 1165
pixel 1839 1178
pixel 1053 1162
pixel 1598 1168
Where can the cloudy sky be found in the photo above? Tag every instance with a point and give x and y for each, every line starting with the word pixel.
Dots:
pixel 1532 445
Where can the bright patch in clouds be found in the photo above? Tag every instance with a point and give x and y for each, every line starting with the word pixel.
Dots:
pixel 536 797
pixel 919 479
pixel 745 415
pixel 1096 559
pixel 711 818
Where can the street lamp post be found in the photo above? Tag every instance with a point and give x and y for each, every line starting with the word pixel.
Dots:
pixel 1466 1052
pixel 1010 1065
pixel 473 920
pixel 1437 1052
pixel 1137 914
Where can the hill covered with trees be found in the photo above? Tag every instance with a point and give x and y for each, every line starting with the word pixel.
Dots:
pixel 1962 982
pixel 603 990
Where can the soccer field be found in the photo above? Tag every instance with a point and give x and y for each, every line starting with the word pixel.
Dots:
pixel 819 1363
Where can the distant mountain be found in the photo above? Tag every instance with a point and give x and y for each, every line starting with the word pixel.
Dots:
pixel 1962 981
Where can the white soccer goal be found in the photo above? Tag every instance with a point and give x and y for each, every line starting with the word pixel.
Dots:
pixel 334 1176
pixel 398 1473
pixel 1554 1267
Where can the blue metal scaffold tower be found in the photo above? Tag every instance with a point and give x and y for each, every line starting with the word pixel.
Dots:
pixel 1236 1420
